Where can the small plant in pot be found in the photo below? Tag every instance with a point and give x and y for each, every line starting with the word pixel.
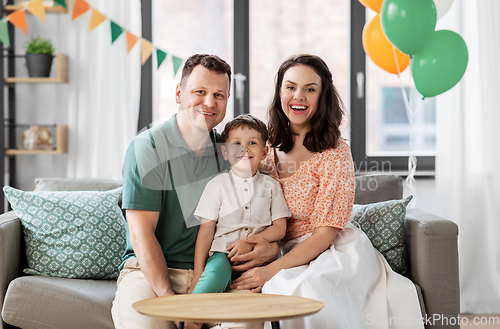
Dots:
pixel 39 55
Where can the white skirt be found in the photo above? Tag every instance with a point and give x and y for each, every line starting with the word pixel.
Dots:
pixel 356 284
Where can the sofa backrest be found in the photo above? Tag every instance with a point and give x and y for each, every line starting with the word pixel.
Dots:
pixel 378 188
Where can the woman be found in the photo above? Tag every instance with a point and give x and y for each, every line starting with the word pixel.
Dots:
pixel 325 258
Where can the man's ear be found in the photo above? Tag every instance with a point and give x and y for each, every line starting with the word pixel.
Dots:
pixel 178 93
pixel 224 152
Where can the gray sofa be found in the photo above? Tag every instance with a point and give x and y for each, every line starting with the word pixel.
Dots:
pixel 47 302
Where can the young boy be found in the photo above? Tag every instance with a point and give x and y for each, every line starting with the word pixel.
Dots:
pixel 235 205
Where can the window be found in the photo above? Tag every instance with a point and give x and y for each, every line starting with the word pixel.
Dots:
pixel 381 135
pixel 280 29
pixel 183 28
pixel 256 36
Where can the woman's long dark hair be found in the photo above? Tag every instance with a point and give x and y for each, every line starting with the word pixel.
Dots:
pixel 324 133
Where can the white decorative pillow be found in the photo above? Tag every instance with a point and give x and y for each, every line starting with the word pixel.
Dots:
pixel 71 234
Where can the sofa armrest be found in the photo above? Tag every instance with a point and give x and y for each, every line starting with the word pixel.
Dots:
pixel 12 259
pixel 433 265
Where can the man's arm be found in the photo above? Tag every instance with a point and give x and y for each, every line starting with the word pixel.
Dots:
pixel 142 225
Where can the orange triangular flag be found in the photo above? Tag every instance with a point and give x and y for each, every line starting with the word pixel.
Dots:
pixel 96 19
pixel 18 18
pixel 146 50
pixel 36 8
pixel 80 7
pixel 131 40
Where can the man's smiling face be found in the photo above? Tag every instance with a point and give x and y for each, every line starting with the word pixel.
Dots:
pixel 204 96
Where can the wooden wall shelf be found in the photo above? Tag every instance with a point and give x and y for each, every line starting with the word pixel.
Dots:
pixel 61 73
pixel 61 144
pixel 48 9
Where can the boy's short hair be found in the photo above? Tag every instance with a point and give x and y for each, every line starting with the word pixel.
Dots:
pixel 245 120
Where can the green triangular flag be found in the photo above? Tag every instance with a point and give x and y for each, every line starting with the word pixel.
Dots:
pixel 116 31
pixel 60 3
pixel 177 63
pixel 4 33
pixel 160 57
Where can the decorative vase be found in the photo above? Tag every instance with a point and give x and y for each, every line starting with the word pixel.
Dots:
pixel 39 64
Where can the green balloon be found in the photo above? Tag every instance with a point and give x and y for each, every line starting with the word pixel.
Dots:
pixel 408 24
pixel 440 64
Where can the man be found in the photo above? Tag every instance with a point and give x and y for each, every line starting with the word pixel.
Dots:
pixel 165 171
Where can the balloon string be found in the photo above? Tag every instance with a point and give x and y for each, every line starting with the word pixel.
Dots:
pixel 411 182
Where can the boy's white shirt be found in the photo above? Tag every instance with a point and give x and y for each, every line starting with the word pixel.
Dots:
pixel 241 206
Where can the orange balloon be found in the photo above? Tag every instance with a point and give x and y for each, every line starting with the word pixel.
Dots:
pixel 380 49
pixel 374 5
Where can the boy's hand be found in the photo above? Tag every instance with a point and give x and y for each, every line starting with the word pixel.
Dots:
pixel 193 283
pixel 240 247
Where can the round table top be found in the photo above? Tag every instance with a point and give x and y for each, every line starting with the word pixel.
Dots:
pixel 228 307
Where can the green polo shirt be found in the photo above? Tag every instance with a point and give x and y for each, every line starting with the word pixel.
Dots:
pixel 161 173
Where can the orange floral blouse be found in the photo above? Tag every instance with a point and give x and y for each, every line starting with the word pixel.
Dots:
pixel 321 191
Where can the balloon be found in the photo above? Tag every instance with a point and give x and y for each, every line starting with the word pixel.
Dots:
pixel 442 7
pixel 440 64
pixel 408 24
pixel 374 5
pixel 380 49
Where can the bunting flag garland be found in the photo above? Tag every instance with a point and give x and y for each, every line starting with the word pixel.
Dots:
pixel 4 33
pixel 146 50
pixel 116 31
pixel 131 41
pixel 80 8
pixel 177 63
pixel 18 18
pixel 96 19
pixel 61 3
pixel 37 9
pixel 160 57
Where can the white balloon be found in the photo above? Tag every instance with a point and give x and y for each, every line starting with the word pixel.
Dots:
pixel 442 7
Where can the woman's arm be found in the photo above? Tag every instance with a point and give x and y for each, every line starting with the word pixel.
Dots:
pixel 202 248
pixel 320 240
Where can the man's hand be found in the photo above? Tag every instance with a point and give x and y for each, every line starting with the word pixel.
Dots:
pixel 240 247
pixel 263 253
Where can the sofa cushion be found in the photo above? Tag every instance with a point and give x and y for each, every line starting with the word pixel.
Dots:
pixel 45 302
pixel 75 184
pixel 383 223
pixel 377 188
pixel 72 234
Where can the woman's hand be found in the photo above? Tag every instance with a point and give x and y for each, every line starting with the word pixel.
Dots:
pixel 254 279
pixel 263 253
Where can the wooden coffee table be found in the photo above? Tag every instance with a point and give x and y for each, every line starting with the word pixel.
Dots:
pixel 228 307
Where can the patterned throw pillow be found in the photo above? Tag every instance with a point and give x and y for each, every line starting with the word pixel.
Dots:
pixel 71 234
pixel 383 223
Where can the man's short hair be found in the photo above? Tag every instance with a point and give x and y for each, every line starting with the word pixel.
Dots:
pixel 245 120
pixel 210 62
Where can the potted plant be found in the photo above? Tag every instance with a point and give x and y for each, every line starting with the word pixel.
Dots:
pixel 39 55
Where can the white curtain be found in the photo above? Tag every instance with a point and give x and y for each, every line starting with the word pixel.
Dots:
pixel 104 90
pixel 468 161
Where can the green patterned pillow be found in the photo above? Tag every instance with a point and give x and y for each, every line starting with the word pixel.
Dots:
pixel 383 223
pixel 71 234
